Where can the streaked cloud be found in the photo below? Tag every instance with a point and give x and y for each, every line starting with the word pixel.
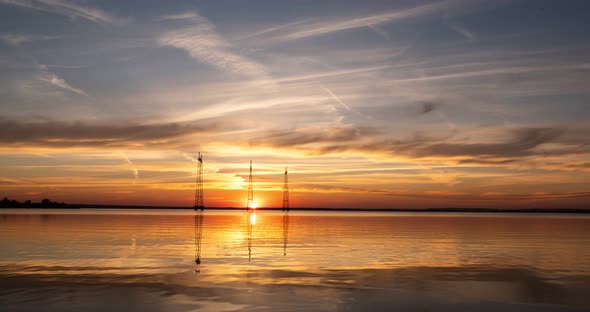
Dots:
pixel 96 134
pixel 19 39
pixel 66 8
pixel 337 99
pixel 131 165
pixel 465 33
pixel 204 43
pixel 297 137
pixel 311 29
pixel 58 82
pixel 517 143
pixel 179 16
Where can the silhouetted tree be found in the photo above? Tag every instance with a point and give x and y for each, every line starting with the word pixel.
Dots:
pixel 5 203
pixel 45 203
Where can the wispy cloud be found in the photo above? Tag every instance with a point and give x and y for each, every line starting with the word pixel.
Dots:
pixel 331 73
pixel 491 71
pixel 88 134
pixel 18 39
pixel 58 82
pixel 312 135
pixel 464 32
pixel 273 29
pixel 180 16
pixel 337 99
pixel 297 30
pixel 66 8
pixel 202 41
pixel 131 165
pixel 381 32
pixel 189 157
pixel 522 143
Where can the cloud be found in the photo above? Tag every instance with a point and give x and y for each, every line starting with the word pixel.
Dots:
pixel 203 43
pixel 131 165
pixel 337 99
pixel 190 157
pixel 18 39
pixel 331 73
pixel 272 29
pixel 427 107
pixel 380 32
pixel 88 134
pixel 484 161
pixel 298 30
pixel 66 8
pixel 443 194
pixel 180 16
pixel 306 136
pixel 585 165
pixel 466 33
pixel 522 142
pixel 56 81
pixel 510 74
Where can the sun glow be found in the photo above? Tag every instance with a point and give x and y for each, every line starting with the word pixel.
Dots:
pixel 252 206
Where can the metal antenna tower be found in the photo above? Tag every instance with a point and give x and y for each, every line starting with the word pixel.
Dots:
pixel 250 202
pixel 199 202
pixel 286 192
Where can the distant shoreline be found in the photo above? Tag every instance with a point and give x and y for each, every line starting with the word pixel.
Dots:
pixel 469 210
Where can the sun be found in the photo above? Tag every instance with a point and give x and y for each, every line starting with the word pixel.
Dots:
pixel 253 206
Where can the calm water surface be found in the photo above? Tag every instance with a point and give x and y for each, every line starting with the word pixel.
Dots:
pixel 97 260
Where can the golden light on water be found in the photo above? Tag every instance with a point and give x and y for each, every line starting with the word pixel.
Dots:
pixel 253 218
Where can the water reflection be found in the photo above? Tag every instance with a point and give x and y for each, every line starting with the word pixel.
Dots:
pixel 336 261
pixel 251 223
pixel 285 231
pixel 198 224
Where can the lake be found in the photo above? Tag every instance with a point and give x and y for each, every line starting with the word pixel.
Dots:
pixel 162 260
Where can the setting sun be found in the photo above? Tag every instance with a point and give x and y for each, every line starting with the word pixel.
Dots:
pixel 252 206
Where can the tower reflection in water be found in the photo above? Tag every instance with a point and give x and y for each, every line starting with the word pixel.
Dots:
pixel 285 231
pixel 251 222
pixel 198 224
pixel 250 229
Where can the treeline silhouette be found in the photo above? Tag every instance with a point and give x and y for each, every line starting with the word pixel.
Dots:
pixel 45 203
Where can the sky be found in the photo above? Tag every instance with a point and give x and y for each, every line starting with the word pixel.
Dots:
pixel 370 104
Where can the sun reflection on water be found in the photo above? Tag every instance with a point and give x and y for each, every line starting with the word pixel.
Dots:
pixel 253 218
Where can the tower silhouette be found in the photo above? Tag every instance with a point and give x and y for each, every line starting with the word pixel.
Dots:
pixel 198 223
pixel 286 192
pixel 250 202
pixel 285 232
pixel 199 201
